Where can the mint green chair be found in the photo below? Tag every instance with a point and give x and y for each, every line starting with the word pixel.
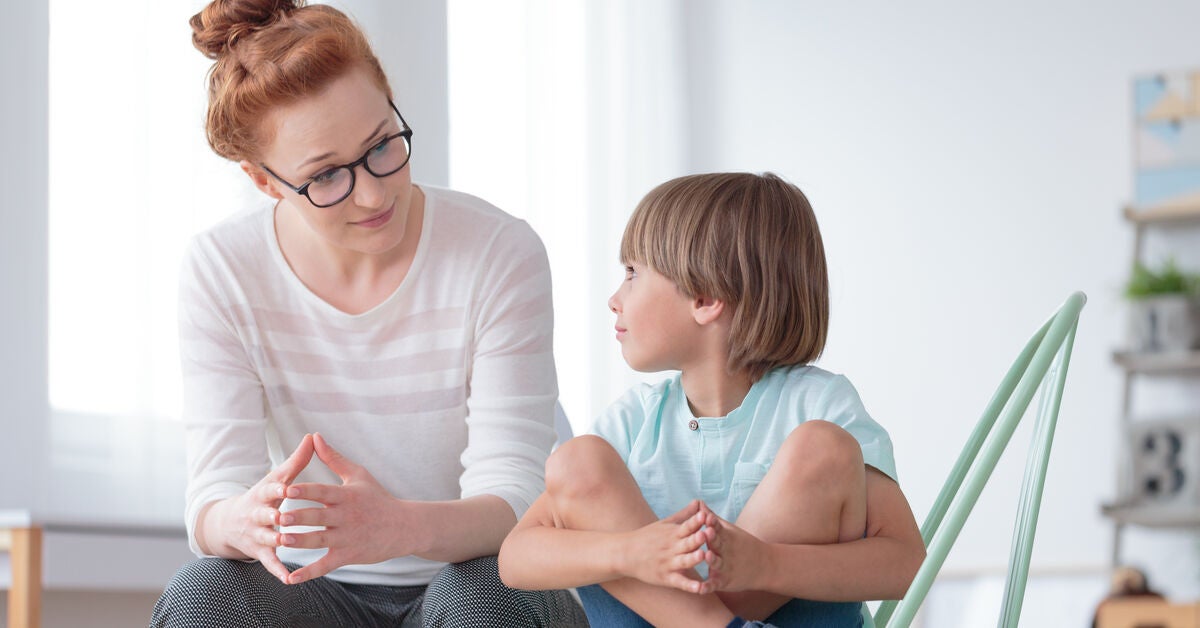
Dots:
pixel 1042 364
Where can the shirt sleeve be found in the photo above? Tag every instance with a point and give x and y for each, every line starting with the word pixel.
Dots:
pixel 839 403
pixel 224 416
pixel 513 385
pixel 619 423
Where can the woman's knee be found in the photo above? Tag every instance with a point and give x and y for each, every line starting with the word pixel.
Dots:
pixel 216 591
pixel 471 594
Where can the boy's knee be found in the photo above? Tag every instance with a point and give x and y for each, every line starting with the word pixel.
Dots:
pixel 581 465
pixel 821 447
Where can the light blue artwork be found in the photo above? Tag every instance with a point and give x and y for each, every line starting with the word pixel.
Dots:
pixel 1167 140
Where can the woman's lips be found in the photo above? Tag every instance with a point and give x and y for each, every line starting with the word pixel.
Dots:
pixel 378 220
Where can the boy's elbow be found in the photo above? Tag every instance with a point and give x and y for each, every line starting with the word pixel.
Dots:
pixel 510 572
pixel 907 569
pixel 508 575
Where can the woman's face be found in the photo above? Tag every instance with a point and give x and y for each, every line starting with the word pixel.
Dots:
pixel 336 127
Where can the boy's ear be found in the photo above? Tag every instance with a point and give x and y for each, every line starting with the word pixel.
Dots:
pixel 705 310
pixel 261 179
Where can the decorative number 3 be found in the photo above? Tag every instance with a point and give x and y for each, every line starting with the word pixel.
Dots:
pixel 1161 473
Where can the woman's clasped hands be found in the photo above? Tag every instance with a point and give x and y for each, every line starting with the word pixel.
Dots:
pixel 348 513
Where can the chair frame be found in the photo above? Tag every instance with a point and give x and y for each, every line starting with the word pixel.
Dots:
pixel 1041 365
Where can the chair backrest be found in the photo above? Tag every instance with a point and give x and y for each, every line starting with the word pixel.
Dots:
pixel 1042 364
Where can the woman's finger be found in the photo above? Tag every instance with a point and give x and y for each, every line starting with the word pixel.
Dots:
pixel 307 517
pixel 339 464
pixel 316 569
pixel 273 565
pixel 316 539
pixel 266 516
pixel 327 494
pixel 287 471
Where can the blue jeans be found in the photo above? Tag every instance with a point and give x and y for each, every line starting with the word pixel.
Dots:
pixel 605 610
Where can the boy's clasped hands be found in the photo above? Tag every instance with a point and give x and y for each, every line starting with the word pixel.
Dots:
pixel 667 552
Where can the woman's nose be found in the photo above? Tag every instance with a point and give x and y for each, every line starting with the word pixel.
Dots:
pixel 613 304
pixel 368 190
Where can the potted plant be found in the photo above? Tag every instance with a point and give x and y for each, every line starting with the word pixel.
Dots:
pixel 1164 314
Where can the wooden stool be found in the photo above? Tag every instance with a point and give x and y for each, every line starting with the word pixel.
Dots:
pixel 24 547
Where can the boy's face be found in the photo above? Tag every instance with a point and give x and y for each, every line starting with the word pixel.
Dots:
pixel 654 324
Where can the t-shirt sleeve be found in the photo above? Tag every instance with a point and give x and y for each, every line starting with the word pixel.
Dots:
pixel 621 421
pixel 839 403
pixel 513 385
pixel 224 407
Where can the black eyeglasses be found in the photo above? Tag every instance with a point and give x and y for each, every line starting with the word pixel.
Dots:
pixel 333 185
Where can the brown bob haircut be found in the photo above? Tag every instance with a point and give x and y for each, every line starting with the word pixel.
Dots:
pixel 751 241
pixel 271 53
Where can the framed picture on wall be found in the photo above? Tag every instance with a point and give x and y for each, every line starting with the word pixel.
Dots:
pixel 1167 140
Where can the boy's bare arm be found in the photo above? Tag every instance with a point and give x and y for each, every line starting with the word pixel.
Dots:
pixel 878 567
pixel 539 554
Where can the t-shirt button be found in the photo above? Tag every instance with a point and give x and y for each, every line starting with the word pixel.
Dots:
pixel 693 425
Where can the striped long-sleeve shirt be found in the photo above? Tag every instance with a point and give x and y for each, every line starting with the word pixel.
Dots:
pixel 445 390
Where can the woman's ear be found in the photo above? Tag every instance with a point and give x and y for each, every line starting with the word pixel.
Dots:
pixel 261 179
pixel 706 310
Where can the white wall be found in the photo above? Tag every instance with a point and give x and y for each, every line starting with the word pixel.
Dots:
pixel 23 241
pixel 410 41
pixel 120 469
pixel 968 165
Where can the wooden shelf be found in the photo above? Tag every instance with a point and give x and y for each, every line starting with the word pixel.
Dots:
pixel 1154 515
pixel 1160 363
pixel 1164 214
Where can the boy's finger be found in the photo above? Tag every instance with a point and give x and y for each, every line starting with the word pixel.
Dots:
pixel 687 511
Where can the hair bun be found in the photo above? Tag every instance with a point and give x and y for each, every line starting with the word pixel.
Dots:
pixel 222 23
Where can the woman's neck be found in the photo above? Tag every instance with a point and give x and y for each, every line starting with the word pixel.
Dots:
pixel 351 281
pixel 712 391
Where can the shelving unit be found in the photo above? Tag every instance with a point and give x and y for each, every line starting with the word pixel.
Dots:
pixel 1133 506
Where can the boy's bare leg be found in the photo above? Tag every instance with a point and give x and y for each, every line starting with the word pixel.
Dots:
pixel 814 493
pixel 591 489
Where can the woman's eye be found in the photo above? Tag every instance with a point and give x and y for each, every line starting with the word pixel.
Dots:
pixel 381 147
pixel 630 273
pixel 325 177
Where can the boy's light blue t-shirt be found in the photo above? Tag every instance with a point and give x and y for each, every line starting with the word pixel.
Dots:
pixel 676 457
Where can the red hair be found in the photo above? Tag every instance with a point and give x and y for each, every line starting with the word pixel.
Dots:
pixel 271 53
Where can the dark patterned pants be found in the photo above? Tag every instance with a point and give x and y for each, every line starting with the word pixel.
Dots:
pixel 219 593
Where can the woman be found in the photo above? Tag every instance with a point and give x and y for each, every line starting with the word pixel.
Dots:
pixel 368 377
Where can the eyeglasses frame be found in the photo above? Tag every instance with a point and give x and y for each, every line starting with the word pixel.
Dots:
pixel 405 133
